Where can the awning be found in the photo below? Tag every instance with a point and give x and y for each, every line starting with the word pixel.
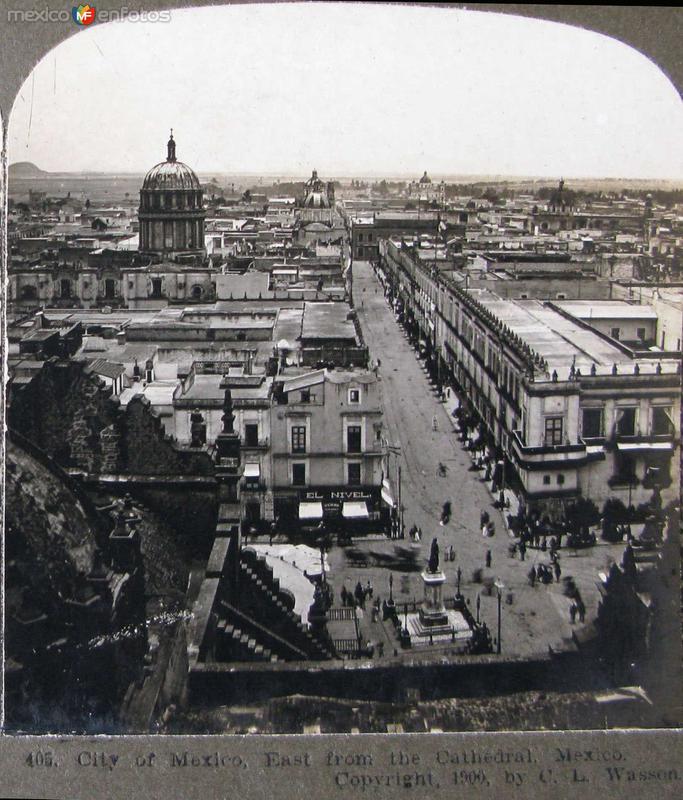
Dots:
pixel 355 510
pixel 386 494
pixel 310 510
pixel 252 470
pixel 645 445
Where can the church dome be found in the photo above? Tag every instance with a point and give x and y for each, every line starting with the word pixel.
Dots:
pixel 171 175
pixel 316 200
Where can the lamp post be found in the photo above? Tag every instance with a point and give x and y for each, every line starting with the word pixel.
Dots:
pixel 478 606
pixel 458 577
pixel 391 587
pixel 500 586
pixel 400 506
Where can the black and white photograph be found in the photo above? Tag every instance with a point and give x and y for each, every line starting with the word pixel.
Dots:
pixel 342 376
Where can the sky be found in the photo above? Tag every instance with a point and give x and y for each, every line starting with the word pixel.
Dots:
pixel 349 89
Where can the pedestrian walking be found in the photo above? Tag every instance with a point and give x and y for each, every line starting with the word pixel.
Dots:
pixel 572 613
pixel 558 571
pixel 488 559
pixel 581 608
pixel 522 550
pixel 359 594
pixel 532 576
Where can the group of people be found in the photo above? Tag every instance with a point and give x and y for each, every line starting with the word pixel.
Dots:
pixel 488 526
pixel 543 573
pixel 358 596
pixel 415 533
pixel 577 609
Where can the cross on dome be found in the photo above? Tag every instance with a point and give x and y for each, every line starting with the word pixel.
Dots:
pixel 171 148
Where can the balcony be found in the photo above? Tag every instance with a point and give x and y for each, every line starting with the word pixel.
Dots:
pixel 663 443
pixel 546 456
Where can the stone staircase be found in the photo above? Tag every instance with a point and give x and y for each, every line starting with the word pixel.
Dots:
pixel 233 644
pixel 263 601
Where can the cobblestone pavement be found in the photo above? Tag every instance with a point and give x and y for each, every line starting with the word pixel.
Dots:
pixel 533 619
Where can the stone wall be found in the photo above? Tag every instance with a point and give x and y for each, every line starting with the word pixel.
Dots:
pixel 72 416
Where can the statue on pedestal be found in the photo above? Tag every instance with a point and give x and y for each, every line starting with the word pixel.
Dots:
pixel 433 564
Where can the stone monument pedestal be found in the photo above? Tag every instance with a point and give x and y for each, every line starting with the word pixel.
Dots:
pixel 432 617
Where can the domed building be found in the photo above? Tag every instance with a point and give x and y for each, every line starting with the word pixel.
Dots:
pixel 317 193
pixel 171 213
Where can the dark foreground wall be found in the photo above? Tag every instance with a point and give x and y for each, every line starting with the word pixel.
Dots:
pixel 465 676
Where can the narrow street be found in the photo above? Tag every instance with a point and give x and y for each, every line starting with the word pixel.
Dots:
pixel 533 619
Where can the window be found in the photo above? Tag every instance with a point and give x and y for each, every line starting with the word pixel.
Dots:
pixel 591 424
pixel 298 474
pixel 353 439
pixel 156 287
pixel 354 395
pixel 353 473
pixel 305 395
pixel 626 421
pixel 546 480
pixel 625 467
pixel 360 237
pixel 560 480
pixel 661 421
pixel 251 435
pixel 299 439
pixel 614 333
pixel 65 288
pixel 640 333
pixel 553 431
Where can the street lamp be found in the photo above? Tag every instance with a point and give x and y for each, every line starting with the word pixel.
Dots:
pixel 478 606
pixel 500 586
pixel 458 577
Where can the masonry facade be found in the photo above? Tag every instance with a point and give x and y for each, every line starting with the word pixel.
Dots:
pixel 572 411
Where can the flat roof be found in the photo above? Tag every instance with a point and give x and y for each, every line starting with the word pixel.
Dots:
pixel 208 387
pixel 561 341
pixel 327 321
pixel 606 309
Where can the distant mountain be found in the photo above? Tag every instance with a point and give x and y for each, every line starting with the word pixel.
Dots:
pixel 25 169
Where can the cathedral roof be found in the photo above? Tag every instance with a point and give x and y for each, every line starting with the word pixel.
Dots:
pixel 171 174
pixel 316 200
